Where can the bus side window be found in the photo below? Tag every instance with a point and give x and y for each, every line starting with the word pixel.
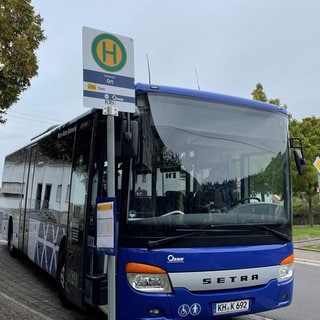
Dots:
pixel 38 197
pixel 46 199
pixel 79 182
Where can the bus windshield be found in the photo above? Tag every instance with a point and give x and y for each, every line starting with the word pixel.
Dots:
pixel 205 165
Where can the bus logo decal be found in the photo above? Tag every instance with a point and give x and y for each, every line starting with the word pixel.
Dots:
pixel 172 259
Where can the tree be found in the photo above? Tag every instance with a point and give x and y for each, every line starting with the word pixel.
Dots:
pixel 259 94
pixel 308 130
pixel 20 37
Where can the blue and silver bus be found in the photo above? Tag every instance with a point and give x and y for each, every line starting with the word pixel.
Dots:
pixel 203 210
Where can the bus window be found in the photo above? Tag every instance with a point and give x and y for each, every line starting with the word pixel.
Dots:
pixel 38 196
pixel 46 198
pixel 77 209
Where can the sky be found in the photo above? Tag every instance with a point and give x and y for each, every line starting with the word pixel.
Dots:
pixel 223 46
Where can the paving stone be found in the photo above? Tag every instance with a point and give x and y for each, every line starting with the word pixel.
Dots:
pixel 28 293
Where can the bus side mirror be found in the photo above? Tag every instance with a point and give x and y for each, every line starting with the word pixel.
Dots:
pixel 300 161
pixel 296 144
pixel 129 138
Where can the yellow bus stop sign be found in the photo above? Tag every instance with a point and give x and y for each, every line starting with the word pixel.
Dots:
pixel 317 164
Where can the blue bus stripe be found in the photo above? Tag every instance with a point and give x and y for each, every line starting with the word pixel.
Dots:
pixel 108 79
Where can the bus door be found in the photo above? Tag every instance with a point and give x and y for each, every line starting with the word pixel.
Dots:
pixel 26 201
pixel 77 213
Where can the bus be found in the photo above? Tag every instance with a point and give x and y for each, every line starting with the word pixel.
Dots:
pixel 202 210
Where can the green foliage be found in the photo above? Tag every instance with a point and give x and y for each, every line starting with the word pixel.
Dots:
pixel 306 201
pixel 305 233
pixel 308 130
pixel 20 37
pixel 301 210
pixel 305 187
pixel 275 101
pixel 258 93
pixel 270 180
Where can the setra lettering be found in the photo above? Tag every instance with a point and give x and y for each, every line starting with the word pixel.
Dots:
pixel 231 279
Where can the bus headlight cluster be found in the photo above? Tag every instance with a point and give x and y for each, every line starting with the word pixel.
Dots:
pixel 147 278
pixel 285 272
pixel 286 269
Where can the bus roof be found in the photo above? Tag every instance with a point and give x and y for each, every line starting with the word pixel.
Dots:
pixel 216 97
pixel 145 88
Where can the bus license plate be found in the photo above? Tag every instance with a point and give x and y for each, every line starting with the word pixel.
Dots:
pixel 230 306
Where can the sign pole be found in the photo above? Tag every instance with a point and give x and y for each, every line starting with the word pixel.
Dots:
pixel 111 112
pixel 108 84
pixel 319 185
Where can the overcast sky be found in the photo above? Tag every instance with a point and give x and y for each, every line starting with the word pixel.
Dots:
pixel 232 44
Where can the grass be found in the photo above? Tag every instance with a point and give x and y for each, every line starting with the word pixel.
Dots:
pixel 305 232
pixel 301 233
pixel 313 247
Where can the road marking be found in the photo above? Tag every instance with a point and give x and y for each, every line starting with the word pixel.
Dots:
pixel 25 307
pixel 307 262
pixel 251 317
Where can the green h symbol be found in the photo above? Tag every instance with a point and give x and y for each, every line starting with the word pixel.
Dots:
pixel 105 52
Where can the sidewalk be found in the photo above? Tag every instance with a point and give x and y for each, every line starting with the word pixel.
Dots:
pixel 303 254
pixel 28 293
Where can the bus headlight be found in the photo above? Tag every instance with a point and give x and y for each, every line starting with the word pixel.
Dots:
pixel 286 269
pixel 147 278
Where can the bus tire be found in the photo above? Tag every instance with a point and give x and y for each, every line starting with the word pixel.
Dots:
pixel 61 279
pixel 12 250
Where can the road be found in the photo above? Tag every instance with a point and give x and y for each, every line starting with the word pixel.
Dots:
pixel 306 300
pixel 27 293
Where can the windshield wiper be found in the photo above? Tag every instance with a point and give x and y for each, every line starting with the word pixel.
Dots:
pixel 190 232
pixel 155 243
pixel 279 234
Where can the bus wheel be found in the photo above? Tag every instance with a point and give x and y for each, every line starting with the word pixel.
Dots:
pixel 12 250
pixel 61 279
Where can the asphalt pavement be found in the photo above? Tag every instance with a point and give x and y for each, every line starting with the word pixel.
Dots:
pixel 26 292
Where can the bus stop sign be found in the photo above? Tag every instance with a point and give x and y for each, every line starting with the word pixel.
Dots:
pixel 108 71
pixel 317 164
